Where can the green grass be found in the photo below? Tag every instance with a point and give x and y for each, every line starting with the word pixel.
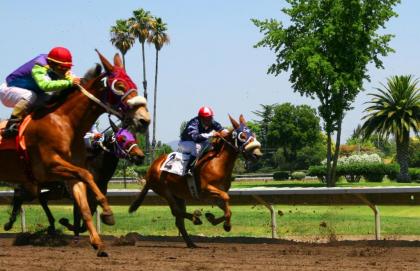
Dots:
pixel 251 221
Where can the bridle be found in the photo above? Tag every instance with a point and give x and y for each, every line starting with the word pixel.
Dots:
pixel 240 143
pixel 113 100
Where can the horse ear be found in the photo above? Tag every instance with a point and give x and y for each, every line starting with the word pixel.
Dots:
pixel 234 122
pixel 118 61
pixel 242 119
pixel 113 125
pixel 107 65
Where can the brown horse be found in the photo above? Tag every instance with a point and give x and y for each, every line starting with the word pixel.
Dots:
pixel 54 139
pixel 102 163
pixel 213 173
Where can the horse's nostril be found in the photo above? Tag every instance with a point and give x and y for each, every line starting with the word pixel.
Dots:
pixel 144 122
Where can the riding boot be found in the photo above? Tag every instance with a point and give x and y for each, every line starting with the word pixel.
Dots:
pixel 18 113
pixel 190 165
pixel 12 127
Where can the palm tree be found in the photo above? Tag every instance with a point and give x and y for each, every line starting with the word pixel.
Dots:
pixel 140 27
pixel 158 37
pixel 395 110
pixel 121 37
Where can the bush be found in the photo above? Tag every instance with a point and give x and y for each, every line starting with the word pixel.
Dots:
pixel 373 172
pixel 298 175
pixel 392 171
pixel 281 175
pixel 414 174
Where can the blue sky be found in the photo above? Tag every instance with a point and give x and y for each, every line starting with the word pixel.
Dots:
pixel 210 60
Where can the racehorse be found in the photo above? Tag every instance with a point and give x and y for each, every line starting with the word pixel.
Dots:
pixel 213 173
pixel 102 162
pixel 53 139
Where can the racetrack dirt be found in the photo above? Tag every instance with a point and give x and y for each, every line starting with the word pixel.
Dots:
pixel 135 252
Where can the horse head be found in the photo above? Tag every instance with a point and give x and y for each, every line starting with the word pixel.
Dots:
pixel 244 139
pixel 123 95
pixel 124 145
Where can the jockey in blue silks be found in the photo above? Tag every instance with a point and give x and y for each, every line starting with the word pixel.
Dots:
pixel 195 137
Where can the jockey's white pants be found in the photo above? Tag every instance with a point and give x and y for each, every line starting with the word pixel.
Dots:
pixel 10 96
pixel 191 147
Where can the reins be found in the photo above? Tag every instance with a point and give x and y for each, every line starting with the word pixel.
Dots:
pixel 96 100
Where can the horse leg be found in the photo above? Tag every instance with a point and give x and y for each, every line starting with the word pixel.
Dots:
pixel 20 195
pixel 17 204
pixel 178 211
pixel 43 200
pixel 71 172
pixel 79 195
pixel 223 204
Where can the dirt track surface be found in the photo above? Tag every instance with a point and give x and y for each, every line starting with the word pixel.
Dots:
pixel 239 254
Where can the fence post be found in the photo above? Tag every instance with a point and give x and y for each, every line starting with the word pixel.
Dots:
pixel 23 219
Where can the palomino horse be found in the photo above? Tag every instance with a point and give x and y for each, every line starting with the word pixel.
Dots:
pixel 54 139
pixel 102 163
pixel 213 172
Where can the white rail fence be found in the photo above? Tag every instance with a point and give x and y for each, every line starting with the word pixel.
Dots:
pixel 269 197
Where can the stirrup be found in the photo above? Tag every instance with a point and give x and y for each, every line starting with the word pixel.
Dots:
pixel 11 131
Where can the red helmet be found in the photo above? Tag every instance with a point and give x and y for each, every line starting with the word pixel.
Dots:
pixel 60 55
pixel 205 112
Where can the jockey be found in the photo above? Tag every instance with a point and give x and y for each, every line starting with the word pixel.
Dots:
pixel 93 138
pixel 196 135
pixel 29 82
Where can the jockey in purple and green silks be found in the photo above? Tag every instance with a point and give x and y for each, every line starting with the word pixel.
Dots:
pixel 28 84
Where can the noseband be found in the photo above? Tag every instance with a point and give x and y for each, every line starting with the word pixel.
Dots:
pixel 240 143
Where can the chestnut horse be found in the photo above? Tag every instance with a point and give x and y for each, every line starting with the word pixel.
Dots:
pixel 54 139
pixel 213 173
pixel 102 163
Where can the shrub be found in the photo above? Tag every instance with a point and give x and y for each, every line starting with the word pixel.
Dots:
pixel 298 175
pixel 281 175
pixel 392 170
pixel 414 174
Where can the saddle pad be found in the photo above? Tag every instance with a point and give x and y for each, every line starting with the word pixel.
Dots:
pixel 6 143
pixel 176 163
pixel 11 143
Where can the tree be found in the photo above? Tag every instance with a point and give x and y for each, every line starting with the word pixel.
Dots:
pixel 121 37
pixel 395 110
pixel 158 37
pixel 266 115
pixel 292 128
pixel 140 27
pixel 327 47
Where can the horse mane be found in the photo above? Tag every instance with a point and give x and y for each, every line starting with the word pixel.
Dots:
pixel 56 99
pixel 218 147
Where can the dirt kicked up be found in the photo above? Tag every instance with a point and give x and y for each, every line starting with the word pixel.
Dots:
pixel 134 252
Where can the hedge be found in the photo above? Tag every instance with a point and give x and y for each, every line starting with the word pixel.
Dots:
pixel 281 175
pixel 373 172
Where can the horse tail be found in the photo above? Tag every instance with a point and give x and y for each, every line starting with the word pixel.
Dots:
pixel 139 200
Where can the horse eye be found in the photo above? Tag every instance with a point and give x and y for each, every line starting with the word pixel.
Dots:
pixel 120 86
pixel 243 136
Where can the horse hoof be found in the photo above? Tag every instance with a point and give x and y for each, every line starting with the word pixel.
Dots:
pixel 227 227
pixel 51 230
pixel 210 217
pixel 197 221
pixel 192 245
pixel 101 253
pixel 64 221
pixel 7 226
pixel 108 218
pixel 197 213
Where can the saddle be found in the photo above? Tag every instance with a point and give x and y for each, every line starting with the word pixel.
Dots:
pixel 18 144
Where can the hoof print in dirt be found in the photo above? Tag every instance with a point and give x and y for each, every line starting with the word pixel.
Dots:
pixel 128 240
pixel 41 238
